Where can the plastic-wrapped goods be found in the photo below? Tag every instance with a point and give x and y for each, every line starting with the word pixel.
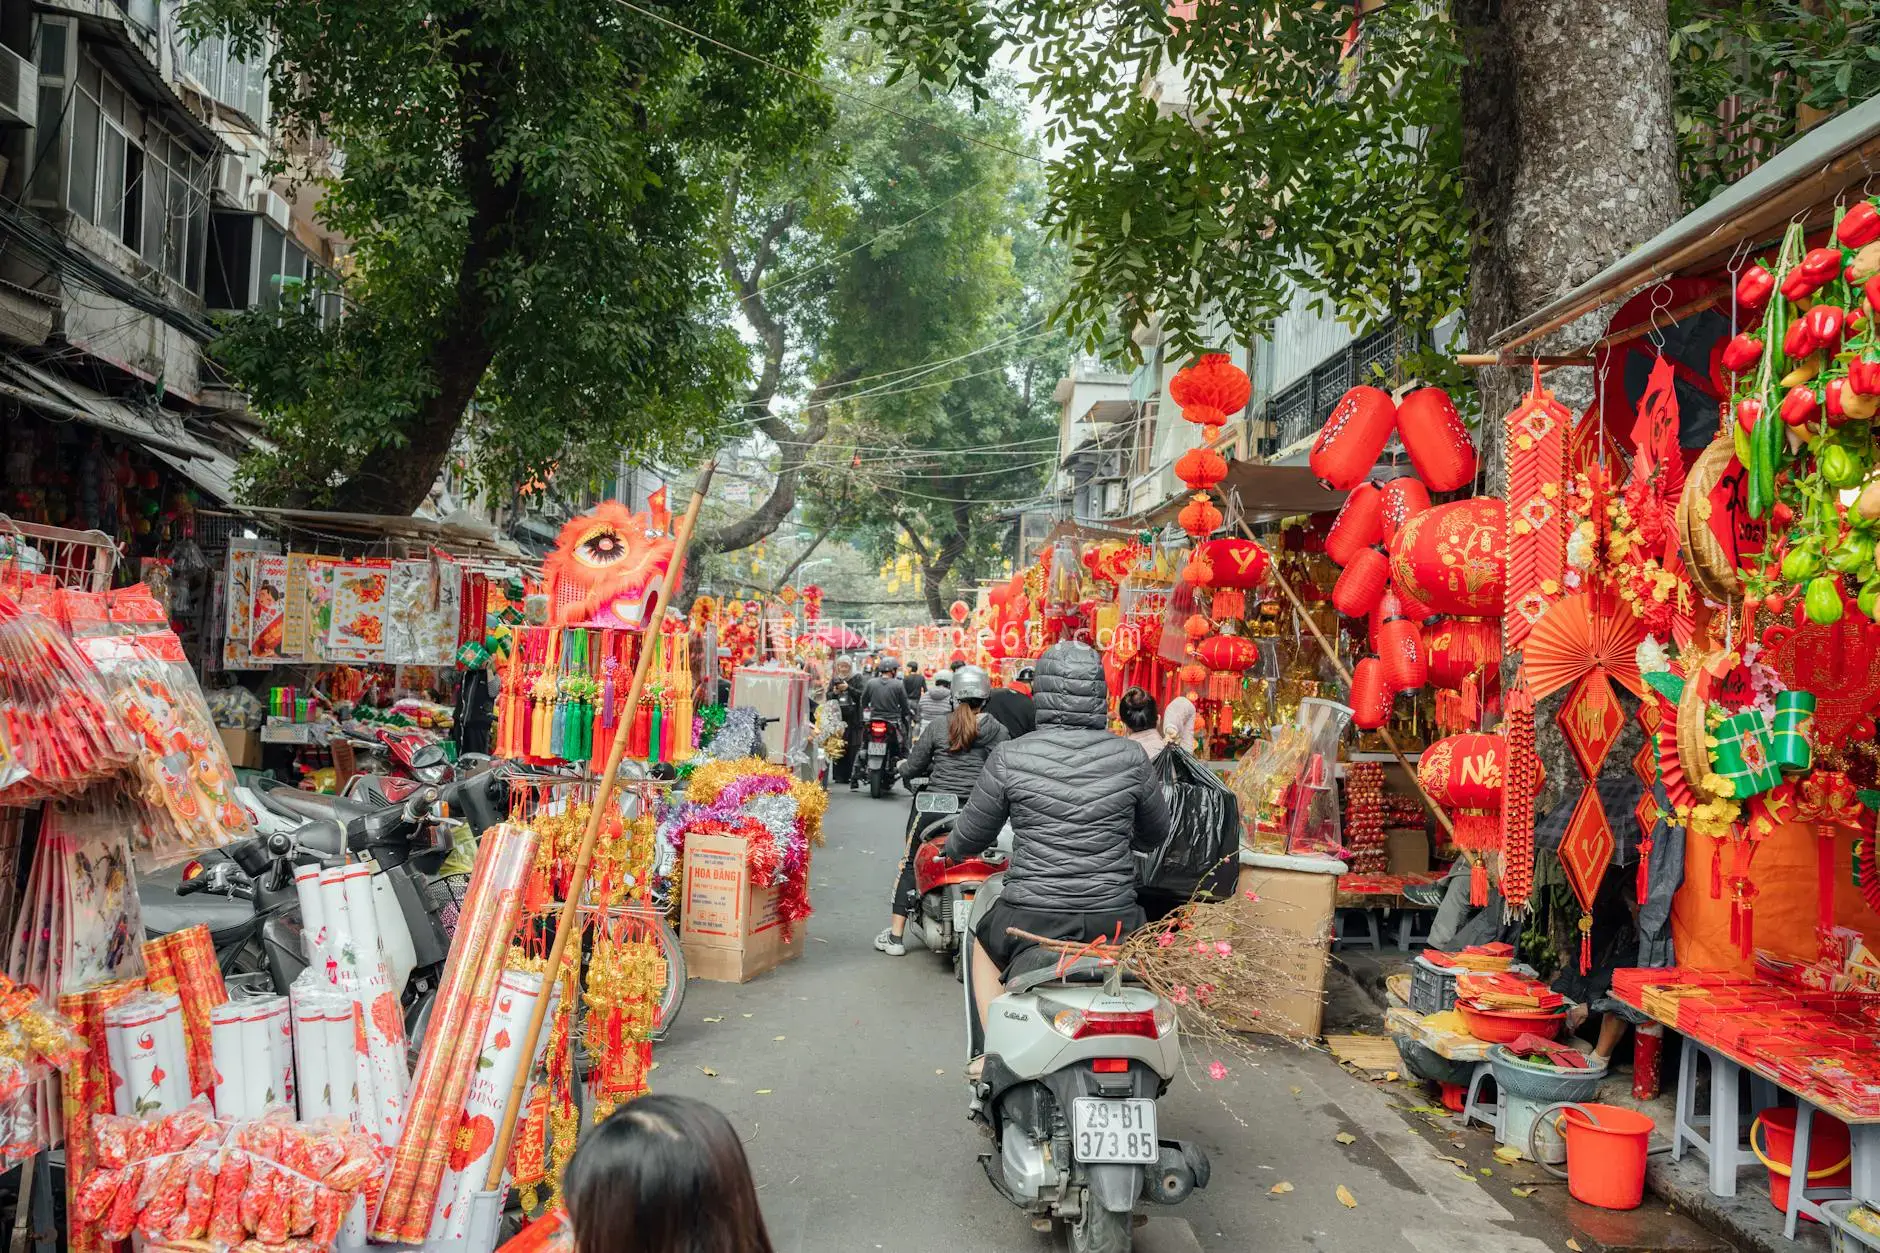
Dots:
pixel 86 1088
pixel 1200 860
pixel 251 1053
pixel 148 1054
pixel 351 917
pixel 59 732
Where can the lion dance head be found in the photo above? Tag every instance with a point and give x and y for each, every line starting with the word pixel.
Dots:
pixel 602 570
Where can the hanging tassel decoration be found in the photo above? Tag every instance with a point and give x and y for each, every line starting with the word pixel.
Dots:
pixel 1478 881
pixel 1586 943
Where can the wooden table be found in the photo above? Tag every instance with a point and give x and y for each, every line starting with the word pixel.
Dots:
pixel 1455 1046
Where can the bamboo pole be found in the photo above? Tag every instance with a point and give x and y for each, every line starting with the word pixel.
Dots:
pixel 1331 655
pixel 565 925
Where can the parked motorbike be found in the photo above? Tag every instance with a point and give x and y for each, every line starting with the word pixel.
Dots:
pixel 881 749
pixel 1076 1056
pixel 944 890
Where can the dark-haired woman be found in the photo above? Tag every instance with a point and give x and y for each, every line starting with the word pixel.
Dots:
pixel 951 753
pixel 1138 714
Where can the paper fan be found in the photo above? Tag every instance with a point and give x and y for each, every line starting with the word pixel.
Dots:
pixel 1582 633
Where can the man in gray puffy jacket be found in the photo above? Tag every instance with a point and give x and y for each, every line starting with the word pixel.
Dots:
pixel 1081 802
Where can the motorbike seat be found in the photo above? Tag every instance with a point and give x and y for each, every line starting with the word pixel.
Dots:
pixel 166 913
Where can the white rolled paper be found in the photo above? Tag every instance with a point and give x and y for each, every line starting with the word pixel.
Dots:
pixel 401 956
pixel 227 1038
pixel 277 1037
pixel 313 921
pixel 312 1084
pixel 371 987
pixel 155 1078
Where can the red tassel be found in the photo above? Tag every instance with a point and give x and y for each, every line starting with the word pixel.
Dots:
pixel 1716 871
pixel 1586 952
pixel 1824 884
pixel 1478 884
pixel 1736 921
pixel 1644 869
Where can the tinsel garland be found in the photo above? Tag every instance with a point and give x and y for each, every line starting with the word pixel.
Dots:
pixel 778 815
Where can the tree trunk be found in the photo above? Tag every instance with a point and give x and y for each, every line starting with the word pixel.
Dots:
pixel 936 564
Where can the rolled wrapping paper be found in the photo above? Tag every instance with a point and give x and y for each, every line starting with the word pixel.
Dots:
pixel 185 962
pixel 1742 755
pixel 348 1073
pixel 313 922
pixel 468 1162
pixel 277 1028
pixel 312 1087
pixel 401 955
pixel 491 910
pixel 155 1075
pixel 85 1087
pixel 119 1098
pixel 231 1062
pixel 1791 746
pixel 378 1004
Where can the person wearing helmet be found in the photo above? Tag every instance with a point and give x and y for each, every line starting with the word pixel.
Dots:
pixel 950 754
pixel 937 701
pixel 1012 706
pixel 888 699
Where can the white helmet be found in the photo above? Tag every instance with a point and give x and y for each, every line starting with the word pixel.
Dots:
pixel 971 683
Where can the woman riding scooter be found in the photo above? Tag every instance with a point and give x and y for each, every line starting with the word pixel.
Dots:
pixel 1081 802
pixel 951 752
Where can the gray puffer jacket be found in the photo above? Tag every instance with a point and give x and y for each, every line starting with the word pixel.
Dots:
pixel 948 771
pixel 1080 799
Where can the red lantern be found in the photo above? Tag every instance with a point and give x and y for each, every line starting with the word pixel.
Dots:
pixel 1193 674
pixel 1359 524
pixel 1463 774
pixel 1453 557
pixel 1199 517
pixel 1196 627
pixel 1237 563
pixel 958 610
pixel 1400 648
pixel 1403 499
pixel 1201 468
pixel 1362 584
pixel 1370 695
pixel 1211 391
pixel 1409 606
pixel 1198 571
pixel 1438 443
pixel 1352 437
pixel 1461 648
pixel 1228 652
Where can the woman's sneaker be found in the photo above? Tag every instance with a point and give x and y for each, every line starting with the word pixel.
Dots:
pixel 890 943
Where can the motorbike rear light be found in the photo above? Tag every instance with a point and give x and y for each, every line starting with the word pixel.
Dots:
pixel 1164 1017
pixel 1111 1065
pixel 191 870
pixel 1083 1024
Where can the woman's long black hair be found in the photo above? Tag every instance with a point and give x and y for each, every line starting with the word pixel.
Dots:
pixel 664 1174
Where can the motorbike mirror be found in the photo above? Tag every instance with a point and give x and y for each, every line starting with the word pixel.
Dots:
pixel 429 755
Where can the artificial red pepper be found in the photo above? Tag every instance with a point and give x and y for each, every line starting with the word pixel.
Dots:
pixel 1825 324
pixel 1859 226
pixel 1799 341
pixel 1799 284
pixel 1872 291
pixel 1749 413
pixel 1742 353
pixel 1831 401
pixel 1754 287
pixel 1821 264
pixel 1863 376
pixel 1800 407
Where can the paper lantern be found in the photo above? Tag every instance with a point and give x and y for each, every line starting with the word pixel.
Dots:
pixel 1400 648
pixel 1438 443
pixel 1237 563
pixel 1401 500
pixel 1409 606
pixel 1362 584
pixel 1359 524
pixel 1196 627
pixel 1453 557
pixel 1192 674
pixel 1198 571
pixel 1370 695
pixel 1211 391
pixel 1199 517
pixel 1463 774
pixel 1459 648
pixel 1352 437
pixel 958 610
pixel 1228 652
pixel 1201 468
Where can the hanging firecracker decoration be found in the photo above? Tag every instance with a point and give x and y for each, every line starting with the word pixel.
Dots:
pixel 1201 468
pixel 1521 786
pixel 1401 500
pixel 1436 439
pixel 1362 584
pixel 1211 391
pixel 1231 653
pixel 1237 563
pixel 1400 648
pixel 1199 517
pixel 1352 437
pixel 1359 525
pixel 1370 695
pixel 1453 557
pixel 1464 774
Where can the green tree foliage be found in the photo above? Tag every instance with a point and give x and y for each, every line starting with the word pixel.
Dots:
pixel 531 189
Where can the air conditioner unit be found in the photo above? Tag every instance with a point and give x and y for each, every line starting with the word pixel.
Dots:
pixel 272 207
pixel 1111 497
pixel 19 90
pixel 231 179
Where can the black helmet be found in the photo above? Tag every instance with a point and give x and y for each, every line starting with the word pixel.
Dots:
pixel 889 665
pixel 1026 674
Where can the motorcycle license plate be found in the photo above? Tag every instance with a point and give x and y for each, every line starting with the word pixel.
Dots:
pixel 1113 1131
pixel 877 752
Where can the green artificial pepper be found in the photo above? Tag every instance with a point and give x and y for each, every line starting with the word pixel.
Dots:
pixel 1855 553
pixel 1870 599
pixel 1800 565
pixel 1822 601
pixel 1839 467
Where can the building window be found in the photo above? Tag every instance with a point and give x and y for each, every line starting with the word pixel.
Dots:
pixel 51 131
pixel 239 83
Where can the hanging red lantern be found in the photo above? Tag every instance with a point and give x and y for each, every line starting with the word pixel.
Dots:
pixel 1370 695
pixel 1199 517
pixel 1453 557
pixel 1236 562
pixel 1460 649
pixel 1402 500
pixel 1401 649
pixel 1228 652
pixel 1436 439
pixel 1197 626
pixel 1192 674
pixel 1359 524
pixel 1198 571
pixel 1356 432
pixel 1362 584
pixel 958 610
pixel 1409 606
pixel 1463 774
pixel 1201 468
pixel 1211 391
pixel 1387 607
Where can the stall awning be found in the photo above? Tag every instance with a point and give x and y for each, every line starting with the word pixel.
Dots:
pixel 61 398
pixel 460 537
pixel 1262 491
pixel 1802 180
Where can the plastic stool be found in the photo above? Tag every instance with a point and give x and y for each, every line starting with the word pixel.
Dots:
pixel 1409 923
pixel 1717 1133
pixel 1369 937
pixel 1475 1108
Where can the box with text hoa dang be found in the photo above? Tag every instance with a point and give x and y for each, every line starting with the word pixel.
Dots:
pixel 728 924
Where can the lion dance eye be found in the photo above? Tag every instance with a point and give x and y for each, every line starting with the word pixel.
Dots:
pixel 603 546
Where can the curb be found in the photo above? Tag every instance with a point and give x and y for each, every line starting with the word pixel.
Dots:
pixel 1747 1219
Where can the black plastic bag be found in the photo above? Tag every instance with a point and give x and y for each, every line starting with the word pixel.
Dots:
pixel 1201 857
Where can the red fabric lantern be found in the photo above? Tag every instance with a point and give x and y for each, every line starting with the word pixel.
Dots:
pixel 1199 517
pixel 1438 443
pixel 1402 500
pixel 1211 391
pixel 1400 648
pixel 1201 468
pixel 1463 774
pixel 1461 648
pixel 1409 606
pixel 1229 652
pixel 1352 437
pixel 1370 695
pixel 1359 524
pixel 1237 563
pixel 1362 584
pixel 1453 557
pixel 958 610
pixel 1196 627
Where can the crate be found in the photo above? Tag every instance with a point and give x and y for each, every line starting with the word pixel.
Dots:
pixel 1846 1237
pixel 1433 988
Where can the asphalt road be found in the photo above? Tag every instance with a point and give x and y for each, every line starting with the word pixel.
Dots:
pixel 842 1071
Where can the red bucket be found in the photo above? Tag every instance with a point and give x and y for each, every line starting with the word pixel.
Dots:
pixel 1829 1152
pixel 1606 1148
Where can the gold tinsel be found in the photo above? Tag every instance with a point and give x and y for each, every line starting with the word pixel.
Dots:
pixel 625 979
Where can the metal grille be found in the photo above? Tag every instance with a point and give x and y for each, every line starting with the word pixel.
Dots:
pixel 1330 381
pixel 1375 356
pixel 77 559
pixel 1291 412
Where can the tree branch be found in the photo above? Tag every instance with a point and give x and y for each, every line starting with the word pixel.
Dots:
pixel 793 448
pixel 796 564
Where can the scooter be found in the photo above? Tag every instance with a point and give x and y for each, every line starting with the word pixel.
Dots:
pixel 1076 1056
pixel 881 748
pixel 944 890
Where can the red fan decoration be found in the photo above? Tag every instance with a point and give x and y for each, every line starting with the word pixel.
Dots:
pixel 1370 695
pixel 1362 584
pixel 1537 509
pixel 1452 557
pixel 1590 719
pixel 1400 648
pixel 1356 432
pixel 1359 524
pixel 1237 563
pixel 1585 632
pixel 1228 652
pixel 1201 468
pixel 1436 439
pixel 1465 774
pixel 1403 499
pixel 1199 517
pixel 1211 391
pixel 1585 852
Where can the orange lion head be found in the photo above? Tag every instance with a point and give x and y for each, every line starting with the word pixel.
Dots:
pixel 603 567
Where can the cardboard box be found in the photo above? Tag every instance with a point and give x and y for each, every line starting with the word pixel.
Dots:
pixel 1297 902
pixel 728 925
pixel 244 747
pixel 1408 850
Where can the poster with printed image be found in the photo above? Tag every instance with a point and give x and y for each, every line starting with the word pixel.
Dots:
pixel 238 603
pixel 424 599
pixel 359 607
pixel 267 619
